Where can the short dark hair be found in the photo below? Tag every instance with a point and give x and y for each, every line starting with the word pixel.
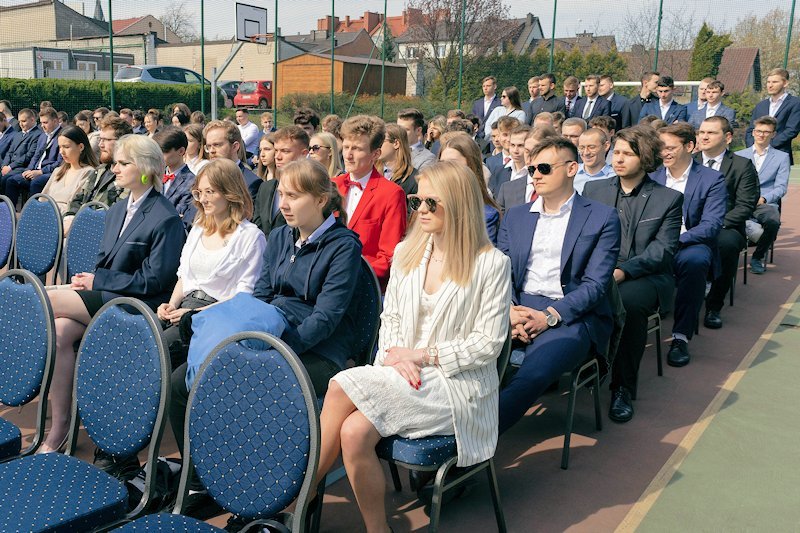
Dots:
pixel 559 143
pixel 48 112
pixel 603 121
pixel 646 144
pixel 171 138
pixel 306 115
pixel 649 74
pixel 460 124
pixel 412 114
pixel 716 84
pixel 455 113
pixel 292 133
pixel 666 81
pixel 138 114
pixel 118 124
pixel 488 78
pixel 724 123
pixel 27 112
pixel 592 77
pixel 682 130
pixel 607 77
pixel 523 128
pixel 102 110
pixel 183 118
pixel 766 120
pixel 548 76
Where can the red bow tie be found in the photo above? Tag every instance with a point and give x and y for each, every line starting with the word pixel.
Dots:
pixel 349 182
pixel 168 177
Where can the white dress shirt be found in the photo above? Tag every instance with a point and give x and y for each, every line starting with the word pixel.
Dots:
pixel 354 195
pixel 133 207
pixel 711 111
pixel 250 136
pixel 516 174
pixel 774 105
pixel 664 109
pixel 529 188
pixel 587 109
pixel 544 262
pixel 717 161
pixel 487 102
pixel 679 184
pixel 758 160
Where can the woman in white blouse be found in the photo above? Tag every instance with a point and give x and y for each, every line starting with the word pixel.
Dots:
pixel 510 105
pixel 79 164
pixel 222 254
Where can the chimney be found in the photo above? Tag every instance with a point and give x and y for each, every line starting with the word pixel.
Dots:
pixel 347 21
pixel 322 24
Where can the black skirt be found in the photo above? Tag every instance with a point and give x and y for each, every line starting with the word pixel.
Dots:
pixel 93 300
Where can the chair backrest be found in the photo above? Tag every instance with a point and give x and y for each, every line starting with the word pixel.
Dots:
pixel 121 379
pixel 27 344
pixel 85 236
pixel 8 229
pixel 252 428
pixel 370 306
pixel 40 234
pixel 503 358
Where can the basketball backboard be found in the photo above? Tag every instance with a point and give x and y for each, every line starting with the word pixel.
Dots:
pixel 251 21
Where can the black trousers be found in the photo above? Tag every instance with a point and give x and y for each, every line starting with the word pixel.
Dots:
pixel 729 243
pixel 770 219
pixel 640 299
pixel 178 348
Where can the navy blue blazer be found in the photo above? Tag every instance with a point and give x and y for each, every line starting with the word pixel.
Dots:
pixel 501 175
pixel 571 112
pixel 52 154
pixel 788 117
pixel 180 194
pixel 477 110
pixel 697 118
pixel 22 149
pixel 143 261
pixel 704 204
pixel 618 106
pixel 6 140
pixel 588 258
pixel 602 107
pixel 676 113
pixel 252 181
pixel 494 162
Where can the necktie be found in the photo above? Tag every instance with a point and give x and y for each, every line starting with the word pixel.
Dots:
pixel 534 196
pixel 349 182
pixel 168 177
pixel 710 163
pixel 588 109
pixel 506 160
pixel 568 106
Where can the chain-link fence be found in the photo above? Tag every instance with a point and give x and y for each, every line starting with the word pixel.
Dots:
pixel 346 57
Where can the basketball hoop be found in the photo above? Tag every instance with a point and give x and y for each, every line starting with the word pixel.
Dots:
pixel 251 24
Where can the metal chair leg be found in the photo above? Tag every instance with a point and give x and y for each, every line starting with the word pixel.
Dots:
pixel 570 414
pixel 658 348
pixel 598 417
pixel 744 266
pixel 494 489
pixel 398 486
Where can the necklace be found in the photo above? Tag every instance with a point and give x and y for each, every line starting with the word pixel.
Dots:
pixel 437 260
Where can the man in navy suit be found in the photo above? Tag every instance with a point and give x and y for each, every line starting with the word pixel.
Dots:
pixel 781 105
pixel 666 108
pixel 696 105
pixel 497 162
pixel 617 102
pixel 704 208
pixel 515 169
pixel 520 191
pixel 593 105
pixel 741 180
pixel 713 107
pixel 773 168
pixel 547 99
pixel 178 179
pixel 650 217
pixel 571 98
pixel 22 148
pixel 222 139
pixel 7 136
pixel 44 161
pixel 533 89
pixel 482 107
pixel 646 95
pixel 5 108
pixel 563 249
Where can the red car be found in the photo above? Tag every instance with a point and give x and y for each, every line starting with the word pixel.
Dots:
pixel 254 94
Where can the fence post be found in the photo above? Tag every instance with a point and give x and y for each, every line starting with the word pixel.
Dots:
pixel 658 32
pixel 553 36
pixel 332 29
pixel 111 53
pixel 383 56
pixel 789 36
pixel 275 70
pixel 461 51
pixel 213 92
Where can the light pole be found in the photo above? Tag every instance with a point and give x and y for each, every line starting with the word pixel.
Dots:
pixel 658 32
pixel 553 36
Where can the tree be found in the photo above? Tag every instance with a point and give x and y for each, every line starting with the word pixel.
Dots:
pixel 178 18
pixel 387 48
pixel 768 34
pixel 436 26
pixel 707 53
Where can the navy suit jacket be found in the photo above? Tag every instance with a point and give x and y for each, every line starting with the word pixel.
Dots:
pixel 676 113
pixel 477 110
pixel 571 112
pixel 704 204
pixel 501 175
pixel 252 181
pixel 602 107
pixel 180 195
pixel 6 141
pixel 52 154
pixel 143 261
pixel 696 118
pixel 22 149
pixel 618 106
pixel 788 117
pixel 588 257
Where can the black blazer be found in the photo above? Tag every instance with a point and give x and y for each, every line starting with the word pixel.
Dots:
pixel 262 208
pixel 143 261
pixel 744 189
pixel 648 245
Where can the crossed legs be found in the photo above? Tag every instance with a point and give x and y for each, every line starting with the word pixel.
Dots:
pixel 71 319
pixel 345 429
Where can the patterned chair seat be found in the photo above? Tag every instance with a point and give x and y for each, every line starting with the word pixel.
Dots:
pixel 428 451
pixel 10 439
pixel 56 492
pixel 167 523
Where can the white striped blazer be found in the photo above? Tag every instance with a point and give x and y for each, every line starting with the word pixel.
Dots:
pixel 470 325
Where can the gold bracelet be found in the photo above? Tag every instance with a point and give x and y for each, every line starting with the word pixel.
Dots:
pixel 426 357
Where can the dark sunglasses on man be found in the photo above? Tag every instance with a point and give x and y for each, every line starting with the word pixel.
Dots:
pixel 545 168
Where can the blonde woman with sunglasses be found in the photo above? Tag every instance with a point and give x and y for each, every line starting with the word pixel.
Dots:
pixel 323 148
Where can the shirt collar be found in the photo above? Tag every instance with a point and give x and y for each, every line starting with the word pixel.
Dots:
pixel 364 179
pixel 667 104
pixel 781 98
pixel 717 159
pixel 715 107
pixel 133 206
pixel 538 207
pixel 317 233
pixel 634 191
pixel 604 172
pixel 683 176
pixel 178 170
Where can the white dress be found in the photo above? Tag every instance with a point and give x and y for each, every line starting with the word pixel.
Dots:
pixel 387 400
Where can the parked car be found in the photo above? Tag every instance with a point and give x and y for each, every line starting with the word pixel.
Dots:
pixel 163 74
pixel 230 88
pixel 257 94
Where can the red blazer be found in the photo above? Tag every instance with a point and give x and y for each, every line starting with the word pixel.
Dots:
pixel 379 220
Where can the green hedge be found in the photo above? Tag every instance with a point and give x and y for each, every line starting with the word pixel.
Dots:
pixel 364 104
pixel 74 95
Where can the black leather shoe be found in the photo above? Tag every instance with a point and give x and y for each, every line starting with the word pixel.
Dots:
pixel 621 409
pixel 124 468
pixel 712 320
pixel 678 353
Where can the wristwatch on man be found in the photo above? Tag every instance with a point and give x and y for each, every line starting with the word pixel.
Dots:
pixel 551 319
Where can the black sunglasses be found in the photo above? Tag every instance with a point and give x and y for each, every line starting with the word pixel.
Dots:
pixel 415 202
pixel 545 168
pixel 316 147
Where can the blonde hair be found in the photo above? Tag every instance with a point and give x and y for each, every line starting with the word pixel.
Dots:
pixel 146 154
pixel 402 166
pixel 330 142
pixel 467 147
pixel 225 178
pixel 309 176
pixel 464 233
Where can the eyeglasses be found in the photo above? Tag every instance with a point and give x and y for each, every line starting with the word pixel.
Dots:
pixel 545 168
pixel 197 194
pixel 763 132
pixel 213 147
pixel 415 202
pixel 316 147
